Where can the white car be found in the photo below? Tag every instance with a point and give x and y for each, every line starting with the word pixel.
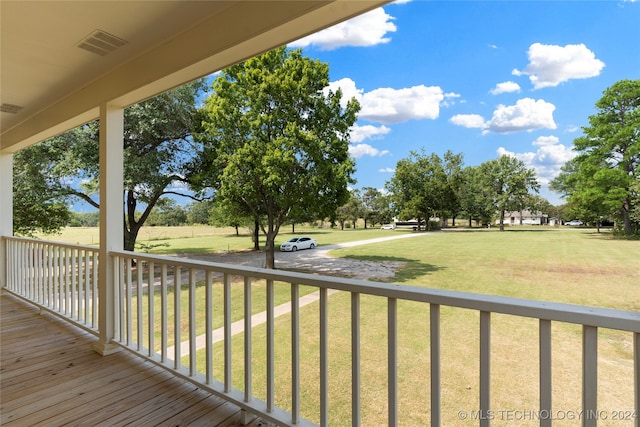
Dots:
pixel 574 222
pixel 387 227
pixel 297 243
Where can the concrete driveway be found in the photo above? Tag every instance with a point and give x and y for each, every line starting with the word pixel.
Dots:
pixel 318 261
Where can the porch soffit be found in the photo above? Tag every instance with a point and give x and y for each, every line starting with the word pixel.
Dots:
pixel 48 84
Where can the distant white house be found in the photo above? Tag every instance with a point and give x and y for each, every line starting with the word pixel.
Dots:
pixel 524 217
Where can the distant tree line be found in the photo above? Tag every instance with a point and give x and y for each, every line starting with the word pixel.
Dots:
pixel 427 186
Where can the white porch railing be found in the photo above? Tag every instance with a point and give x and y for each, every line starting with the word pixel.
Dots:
pixel 59 277
pixel 176 330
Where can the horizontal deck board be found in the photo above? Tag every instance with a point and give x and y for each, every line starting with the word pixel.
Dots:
pixel 50 376
pixel 17 369
pixel 39 369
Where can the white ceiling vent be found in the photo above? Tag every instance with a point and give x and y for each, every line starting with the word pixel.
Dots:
pixel 10 108
pixel 101 43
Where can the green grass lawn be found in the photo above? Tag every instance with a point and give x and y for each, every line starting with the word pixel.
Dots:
pixel 571 266
pixel 577 266
pixel 574 266
pixel 200 239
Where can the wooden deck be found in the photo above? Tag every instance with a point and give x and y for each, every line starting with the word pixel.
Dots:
pixel 50 375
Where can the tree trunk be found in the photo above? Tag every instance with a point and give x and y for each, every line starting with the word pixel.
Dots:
pixel 502 220
pixel 270 253
pixel 130 236
pixel 256 235
pixel 628 227
pixel 131 232
pixel 269 246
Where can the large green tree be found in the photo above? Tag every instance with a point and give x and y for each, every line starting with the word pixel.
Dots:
pixel 420 187
pixel 198 212
pixel 476 199
pixel 602 179
pixel 33 208
pixel 509 183
pixel 587 200
pixel 453 168
pixel 376 205
pixel 167 213
pixel 157 149
pixel 276 141
pixel 350 211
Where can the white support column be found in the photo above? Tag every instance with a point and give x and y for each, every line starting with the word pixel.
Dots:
pixel 6 211
pixel 111 219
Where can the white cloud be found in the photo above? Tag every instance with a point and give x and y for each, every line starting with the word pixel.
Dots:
pixel 361 150
pixel 388 105
pixel 387 170
pixel 505 87
pixel 369 29
pixel 550 65
pixel 468 120
pixel 526 115
pixel 449 99
pixel 178 186
pixel 542 141
pixel 547 160
pixel 360 133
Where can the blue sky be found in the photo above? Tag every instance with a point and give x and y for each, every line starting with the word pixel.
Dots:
pixel 482 78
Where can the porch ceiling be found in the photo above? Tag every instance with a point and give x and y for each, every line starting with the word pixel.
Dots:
pixel 48 84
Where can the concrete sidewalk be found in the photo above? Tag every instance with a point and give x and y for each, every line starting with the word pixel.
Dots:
pixel 237 327
pixel 313 260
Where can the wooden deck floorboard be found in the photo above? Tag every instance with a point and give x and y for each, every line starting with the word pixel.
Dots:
pixel 50 375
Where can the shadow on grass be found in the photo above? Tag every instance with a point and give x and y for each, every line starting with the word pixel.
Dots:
pixel 526 230
pixel 496 229
pixel 411 270
pixel 609 235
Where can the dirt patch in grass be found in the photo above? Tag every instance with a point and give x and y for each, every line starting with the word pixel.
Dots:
pixel 571 269
pixel 314 261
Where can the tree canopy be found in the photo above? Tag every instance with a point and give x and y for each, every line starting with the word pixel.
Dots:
pixel 427 185
pixel 275 141
pixel 376 205
pixel 33 208
pixel 157 148
pixel 508 182
pixel 476 199
pixel 603 178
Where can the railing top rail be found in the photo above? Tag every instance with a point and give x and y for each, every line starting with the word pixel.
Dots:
pixel 51 242
pixel 570 313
